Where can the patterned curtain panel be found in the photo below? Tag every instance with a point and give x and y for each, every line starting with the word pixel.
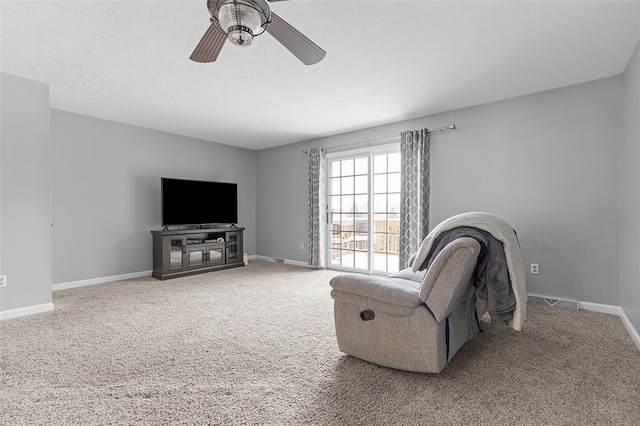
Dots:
pixel 317 207
pixel 414 192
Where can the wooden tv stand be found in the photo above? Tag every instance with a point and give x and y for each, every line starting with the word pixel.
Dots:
pixel 193 251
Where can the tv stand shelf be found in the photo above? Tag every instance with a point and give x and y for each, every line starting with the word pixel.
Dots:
pixel 193 251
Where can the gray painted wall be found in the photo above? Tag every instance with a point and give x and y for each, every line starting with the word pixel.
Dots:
pixel 106 191
pixel 25 210
pixel 630 231
pixel 281 202
pixel 557 165
pixel 548 163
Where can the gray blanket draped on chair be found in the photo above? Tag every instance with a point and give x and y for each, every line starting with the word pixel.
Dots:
pixel 491 275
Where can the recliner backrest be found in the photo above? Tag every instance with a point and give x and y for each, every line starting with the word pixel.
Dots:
pixel 448 275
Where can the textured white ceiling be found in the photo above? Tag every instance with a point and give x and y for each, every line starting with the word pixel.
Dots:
pixel 386 61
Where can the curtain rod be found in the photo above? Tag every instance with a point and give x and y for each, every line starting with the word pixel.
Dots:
pixel 383 140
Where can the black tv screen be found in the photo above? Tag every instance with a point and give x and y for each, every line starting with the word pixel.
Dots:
pixel 195 202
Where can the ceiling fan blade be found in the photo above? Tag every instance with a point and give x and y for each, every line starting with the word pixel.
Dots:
pixel 210 45
pixel 303 48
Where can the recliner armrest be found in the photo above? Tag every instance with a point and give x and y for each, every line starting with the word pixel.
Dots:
pixel 448 275
pixel 394 291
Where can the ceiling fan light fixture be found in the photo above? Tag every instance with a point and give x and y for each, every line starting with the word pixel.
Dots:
pixel 240 21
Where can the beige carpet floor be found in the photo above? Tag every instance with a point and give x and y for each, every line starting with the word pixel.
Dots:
pixel 256 346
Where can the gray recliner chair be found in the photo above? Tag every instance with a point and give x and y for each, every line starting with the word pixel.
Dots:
pixel 414 321
pixel 418 318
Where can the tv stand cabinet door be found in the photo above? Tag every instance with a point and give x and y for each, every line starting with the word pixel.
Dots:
pixel 173 250
pixel 234 247
pixel 216 254
pixel 196 256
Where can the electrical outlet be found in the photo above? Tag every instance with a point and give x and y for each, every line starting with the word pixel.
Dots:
pixel 301 246
pixel 3 280
pixel 535 269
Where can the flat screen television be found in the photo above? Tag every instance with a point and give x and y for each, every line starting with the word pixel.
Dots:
pixel 196 202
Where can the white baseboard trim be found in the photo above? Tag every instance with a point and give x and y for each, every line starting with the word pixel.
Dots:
pixel 27 310
pixel 102 280
pixel 258 257
pixel 298 263
pixel 599 307
pixel 630 328
pixel 280 260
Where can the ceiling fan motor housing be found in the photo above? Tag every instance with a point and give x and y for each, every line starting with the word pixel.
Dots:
pixel 241 20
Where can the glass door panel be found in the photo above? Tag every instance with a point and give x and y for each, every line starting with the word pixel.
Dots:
pixel 175 254
pixel 386 211
pixel 196 257
pixel 232 246
pixel 349 206
pixel 216 255
pixel 364 212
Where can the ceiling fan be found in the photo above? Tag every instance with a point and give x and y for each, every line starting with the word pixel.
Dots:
pixel 240 21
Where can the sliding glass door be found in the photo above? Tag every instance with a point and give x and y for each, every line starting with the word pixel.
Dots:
pixel 364 211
